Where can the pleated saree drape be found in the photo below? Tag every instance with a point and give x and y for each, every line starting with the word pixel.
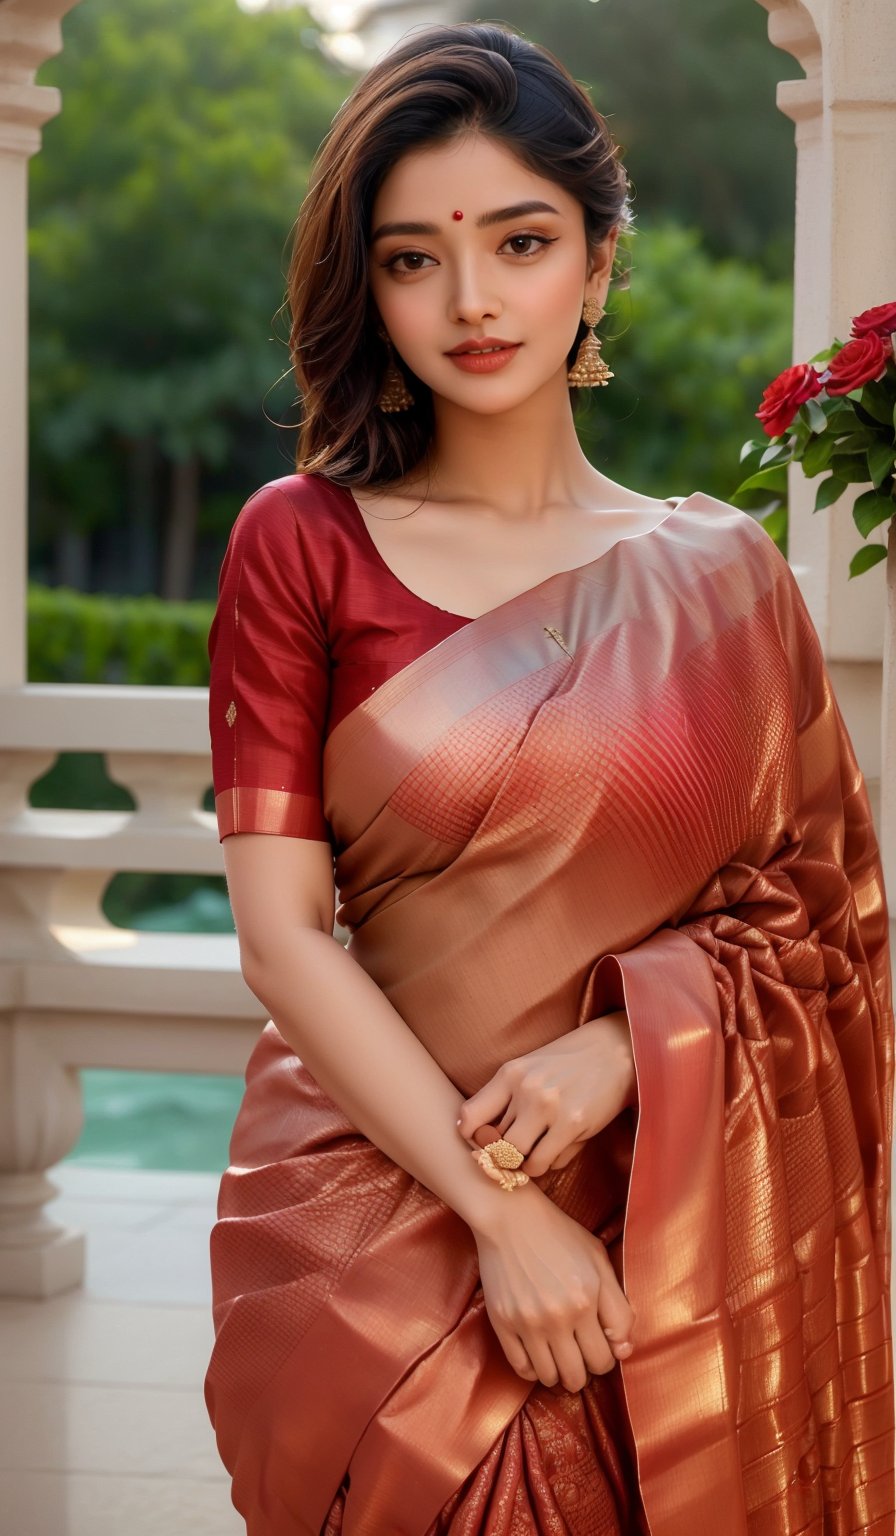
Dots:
pixel 629 786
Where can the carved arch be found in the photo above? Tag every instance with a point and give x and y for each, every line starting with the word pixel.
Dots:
pixel 30 33
pixel 793 27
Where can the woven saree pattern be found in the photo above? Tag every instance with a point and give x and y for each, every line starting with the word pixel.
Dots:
pixel 667 816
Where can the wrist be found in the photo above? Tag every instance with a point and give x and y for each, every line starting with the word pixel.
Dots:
pixel 615 1025
pixel 489 1211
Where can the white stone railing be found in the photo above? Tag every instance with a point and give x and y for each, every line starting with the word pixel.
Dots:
pixel 75 990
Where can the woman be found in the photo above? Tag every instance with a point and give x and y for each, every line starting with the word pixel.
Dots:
pixel 607 869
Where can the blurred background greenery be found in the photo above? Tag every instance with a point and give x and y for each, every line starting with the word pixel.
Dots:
pixel 161 209
pixel 162 205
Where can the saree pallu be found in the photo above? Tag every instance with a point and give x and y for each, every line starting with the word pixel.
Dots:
pixel 629 786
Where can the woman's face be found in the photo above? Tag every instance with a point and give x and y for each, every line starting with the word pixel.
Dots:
pixel 513 273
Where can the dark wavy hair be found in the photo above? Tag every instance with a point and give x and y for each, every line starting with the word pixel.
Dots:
pixel 438 82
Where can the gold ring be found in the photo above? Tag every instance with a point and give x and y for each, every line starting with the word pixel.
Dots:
pixel 500 1159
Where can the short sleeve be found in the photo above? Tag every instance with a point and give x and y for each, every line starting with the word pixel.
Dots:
pixel 270 678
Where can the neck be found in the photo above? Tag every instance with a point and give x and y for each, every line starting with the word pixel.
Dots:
pixel 516 463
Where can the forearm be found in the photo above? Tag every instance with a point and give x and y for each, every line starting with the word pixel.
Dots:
pixel 363 1054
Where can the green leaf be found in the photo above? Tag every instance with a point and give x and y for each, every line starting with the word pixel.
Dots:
pixel 865 558
pixel 857 442
pixel 750 464
pixel 818 454
pixel 876 400
pixel 871 510
pixel 852 467
pixel 774 479
pixel 828 492
pixel 842 418
pixel 814 416
pixel 864 416
pixel 775 525
pixel 881 458
pixel 775 453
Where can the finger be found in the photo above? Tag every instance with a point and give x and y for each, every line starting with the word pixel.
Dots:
pixel 517 1354
pixel 565 1158
pixel 614 1313
pixel 525 1131
pixel 484 1108
pixel 596 1352
pixel 539 1352
pixel 570 1362
pixel 543 1153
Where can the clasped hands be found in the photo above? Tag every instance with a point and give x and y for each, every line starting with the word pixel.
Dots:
pixel 549 1286
pixel 553 1099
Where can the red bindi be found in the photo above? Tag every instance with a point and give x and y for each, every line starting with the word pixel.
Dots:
pixel 457 214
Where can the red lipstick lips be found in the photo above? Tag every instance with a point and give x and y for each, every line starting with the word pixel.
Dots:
pixel 478 343
pixel 476 356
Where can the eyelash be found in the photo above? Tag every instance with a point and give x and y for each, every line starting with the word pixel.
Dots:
pixel 390 265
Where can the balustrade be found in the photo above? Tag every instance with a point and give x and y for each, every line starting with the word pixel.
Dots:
pixel 76 990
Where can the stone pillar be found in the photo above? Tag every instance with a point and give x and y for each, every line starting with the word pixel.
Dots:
pixel 845 116
pixel 30 33
pixel 40 1103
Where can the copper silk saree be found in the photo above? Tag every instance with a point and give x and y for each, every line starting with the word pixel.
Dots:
pixel 629 786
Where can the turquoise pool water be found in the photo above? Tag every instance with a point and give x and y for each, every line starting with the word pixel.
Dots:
pixel 157 1120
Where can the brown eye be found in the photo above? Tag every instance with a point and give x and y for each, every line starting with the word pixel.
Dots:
pixel 527 240
pixel 409 256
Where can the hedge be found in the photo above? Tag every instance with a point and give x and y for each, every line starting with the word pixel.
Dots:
pixel 77 637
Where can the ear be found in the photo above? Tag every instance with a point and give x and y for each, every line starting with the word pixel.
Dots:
pixel 601 267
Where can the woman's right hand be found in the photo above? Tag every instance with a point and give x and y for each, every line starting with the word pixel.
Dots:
pixel 552 1295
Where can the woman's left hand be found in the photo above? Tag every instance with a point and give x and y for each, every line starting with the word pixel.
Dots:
pixel 557 1096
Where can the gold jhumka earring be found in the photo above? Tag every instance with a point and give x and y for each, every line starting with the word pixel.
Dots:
pixel 394 395
pixel 589 367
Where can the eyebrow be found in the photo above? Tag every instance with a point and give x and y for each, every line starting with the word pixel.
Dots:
pixel 497 216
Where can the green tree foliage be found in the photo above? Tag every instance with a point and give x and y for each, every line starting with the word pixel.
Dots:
pixel 692 343
pixel 161 206
pixel 688 88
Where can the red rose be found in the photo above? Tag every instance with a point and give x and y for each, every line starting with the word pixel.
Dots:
pixel 784 396
pixel 881 320
pixel 857 363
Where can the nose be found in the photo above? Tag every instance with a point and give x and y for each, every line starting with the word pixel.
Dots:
pixel 473 298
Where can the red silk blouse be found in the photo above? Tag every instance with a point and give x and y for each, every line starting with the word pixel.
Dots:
pixel 309 621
